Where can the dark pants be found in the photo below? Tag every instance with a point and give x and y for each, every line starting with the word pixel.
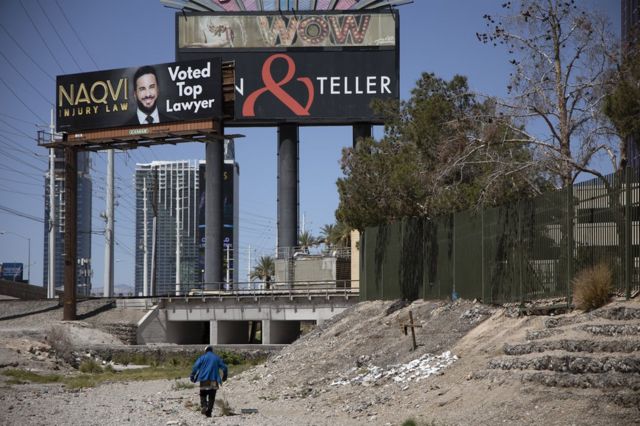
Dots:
pixel 207 398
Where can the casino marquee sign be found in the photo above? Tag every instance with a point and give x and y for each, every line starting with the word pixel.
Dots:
pixel 305 68
pixel 141 96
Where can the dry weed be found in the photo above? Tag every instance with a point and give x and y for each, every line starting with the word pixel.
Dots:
pixel 181 385
pixel 225 408
pixel 592 287
pixel 60 341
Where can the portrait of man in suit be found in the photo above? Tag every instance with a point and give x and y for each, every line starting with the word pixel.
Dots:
pixel 146 92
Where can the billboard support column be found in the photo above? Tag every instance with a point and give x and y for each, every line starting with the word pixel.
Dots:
pixel 70 232
pixel 361 131
pixel 287 188
pixel 214 175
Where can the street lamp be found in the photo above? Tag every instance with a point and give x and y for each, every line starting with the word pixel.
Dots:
pixel 28 248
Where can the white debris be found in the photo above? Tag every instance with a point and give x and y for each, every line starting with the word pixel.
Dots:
pixel 417 369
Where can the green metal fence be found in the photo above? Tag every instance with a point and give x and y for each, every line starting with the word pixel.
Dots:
pixel 523 251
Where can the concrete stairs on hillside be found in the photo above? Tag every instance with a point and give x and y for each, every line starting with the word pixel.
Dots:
pixel 600 349
pixel 127 333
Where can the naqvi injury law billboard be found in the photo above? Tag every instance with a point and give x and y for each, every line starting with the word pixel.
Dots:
pixel 140 96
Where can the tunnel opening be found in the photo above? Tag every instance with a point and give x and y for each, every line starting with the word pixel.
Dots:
pixel 188 332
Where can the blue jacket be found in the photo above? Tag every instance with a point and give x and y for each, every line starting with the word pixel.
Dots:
pixel 207 368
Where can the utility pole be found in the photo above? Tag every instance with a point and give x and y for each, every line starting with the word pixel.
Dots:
pixel 145 275
pixel 228 267
pixel 108 232
pixel 51 274
pixel 249 266
pixel 29 261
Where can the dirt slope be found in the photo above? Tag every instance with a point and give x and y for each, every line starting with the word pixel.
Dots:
pixel 474 365
pixel 480 387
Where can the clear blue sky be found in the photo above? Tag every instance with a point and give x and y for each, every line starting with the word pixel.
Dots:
pixel 436 36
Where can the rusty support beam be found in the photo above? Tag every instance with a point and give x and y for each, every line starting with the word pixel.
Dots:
pixel 70 231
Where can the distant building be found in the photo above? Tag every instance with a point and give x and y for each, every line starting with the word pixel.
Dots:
pixel 83 269
pixel 173 193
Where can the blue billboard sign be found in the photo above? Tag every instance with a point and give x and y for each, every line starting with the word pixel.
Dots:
pixel 12 271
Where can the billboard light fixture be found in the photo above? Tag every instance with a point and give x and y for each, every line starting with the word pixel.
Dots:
pixel 232 6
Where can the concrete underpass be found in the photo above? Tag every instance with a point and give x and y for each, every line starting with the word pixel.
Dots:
pixel 236 320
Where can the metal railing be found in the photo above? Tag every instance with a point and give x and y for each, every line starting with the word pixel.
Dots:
pixel 255 289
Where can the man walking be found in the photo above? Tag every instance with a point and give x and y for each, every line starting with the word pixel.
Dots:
pixel 206 370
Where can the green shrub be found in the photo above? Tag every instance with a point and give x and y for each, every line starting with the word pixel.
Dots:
pixel 22 376
pixel 82 381
pixel 153 359
pixel 231 358
pixel 592 287
pixel 121 358
pixel 90 366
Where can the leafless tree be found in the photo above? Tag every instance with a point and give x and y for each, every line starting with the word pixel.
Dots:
pixel 562 57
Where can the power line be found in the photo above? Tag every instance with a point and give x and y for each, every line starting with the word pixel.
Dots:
pixel 17 130
pixel 17 147
pixel 244 212
pixel 21 161
pixel 27 54
pixel 59 36
pixel 28 82
pixel 118 243
pixel 22 134
pixel 64 15
pixel 20 172
pixel 4 179
pixel 21 214
pixel 21 101
pixel 13 191
pixel 41 36
pixel 18 119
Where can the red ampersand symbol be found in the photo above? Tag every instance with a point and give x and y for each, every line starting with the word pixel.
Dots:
pixel 270 85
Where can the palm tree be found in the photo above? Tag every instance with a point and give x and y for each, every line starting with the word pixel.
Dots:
pixel 264 270
pixel 336 235
pixel 326 234
pixel 342 235
pixel 306 240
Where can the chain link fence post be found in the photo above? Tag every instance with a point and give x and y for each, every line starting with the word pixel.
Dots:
pixel 570 241
pixel 628 233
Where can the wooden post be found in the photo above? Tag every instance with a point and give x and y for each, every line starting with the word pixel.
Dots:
pixel 411 325
pixel 413 331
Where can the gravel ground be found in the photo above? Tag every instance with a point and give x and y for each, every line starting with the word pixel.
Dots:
pixel 354 370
